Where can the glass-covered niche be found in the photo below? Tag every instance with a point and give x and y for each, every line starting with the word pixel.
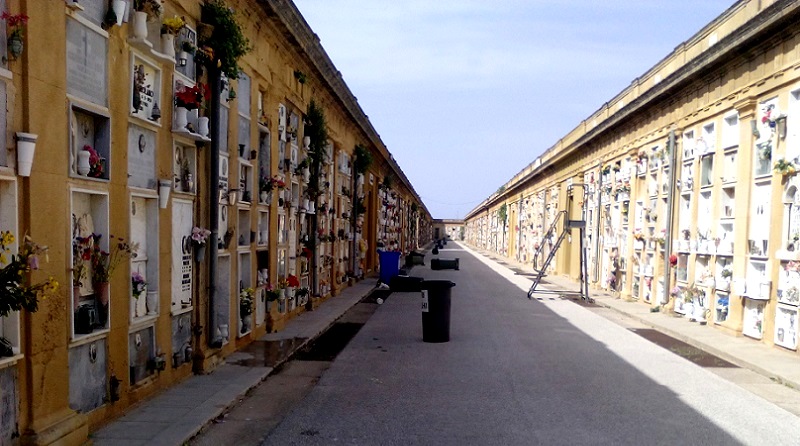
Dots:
pixel 90 293
pixel 90 142
pixel 182 250
pixel 145 90
pixel 184 168
pixel 144 260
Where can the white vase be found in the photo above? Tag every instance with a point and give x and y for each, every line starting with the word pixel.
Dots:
pixel 26 146
pixel 699 312
pixel 181 118
pixel 247 323
pixel 168 45
pixel 152 302
pixel 202 125
pixel 223 331
pixel 119 6
pixel 140 25
pixel 688 309
pixel 83 162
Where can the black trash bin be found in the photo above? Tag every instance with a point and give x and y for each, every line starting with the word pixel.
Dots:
pixel 406 284
pixel 436 310
pixel 437 264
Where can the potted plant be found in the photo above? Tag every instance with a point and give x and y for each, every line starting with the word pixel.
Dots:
pixel 188 98
pixel 246 308
pixel 138 287
pixel 199 239
pixel 16 292
pixel 785 168
pixel 81 254
pixel 223 37
pixel 725 278
pixel 104 263
pixel 187 49
pixel 145 11
pixel 302 295
pixel 170 28
pixel 16 24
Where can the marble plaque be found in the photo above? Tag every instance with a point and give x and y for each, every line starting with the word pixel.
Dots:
pixel 87 55
pixel 141 157
pixel 94 10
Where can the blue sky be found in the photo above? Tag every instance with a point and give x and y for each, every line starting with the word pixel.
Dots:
pixel 466 93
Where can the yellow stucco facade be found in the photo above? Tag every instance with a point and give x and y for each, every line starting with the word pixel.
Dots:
pixel 83 80
pixel 686 181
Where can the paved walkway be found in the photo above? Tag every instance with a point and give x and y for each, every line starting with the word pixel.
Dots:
pixel 176 415
pixel 772 362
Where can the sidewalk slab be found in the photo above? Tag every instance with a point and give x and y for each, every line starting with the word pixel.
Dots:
pixel 180 412
pixel 752 354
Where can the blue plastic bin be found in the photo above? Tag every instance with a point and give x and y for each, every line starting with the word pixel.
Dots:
pixel 390 265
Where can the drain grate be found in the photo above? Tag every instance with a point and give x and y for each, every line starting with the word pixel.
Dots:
pixel 682 349
pixel 331 343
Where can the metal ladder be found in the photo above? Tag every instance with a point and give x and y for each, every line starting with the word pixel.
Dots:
pixel 541 272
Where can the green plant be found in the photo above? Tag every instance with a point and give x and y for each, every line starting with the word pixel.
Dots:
pixel 302 292
pixel 188 46
pixel 387 182
pixel 152 8
pixel 226 40
pixel 246 302
pixel 300 76
pixel 363 159
pixel 316 129
pixel 358 206
pixel 15 294
pixel 785 168
pixel 502 214
pixel 104 263
pixel 726 273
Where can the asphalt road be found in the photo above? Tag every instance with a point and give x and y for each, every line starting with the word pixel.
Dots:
pixel 519 372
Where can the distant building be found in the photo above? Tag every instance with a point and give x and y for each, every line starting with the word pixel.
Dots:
pixel 452 229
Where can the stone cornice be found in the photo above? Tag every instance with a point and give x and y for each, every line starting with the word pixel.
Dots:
pixel 298 31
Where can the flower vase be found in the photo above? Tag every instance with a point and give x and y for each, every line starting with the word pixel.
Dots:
pixel 688 308
pixel 247 322
pixel 83 162
pixel 699 312
pixel 140 25
pixel 202 125
pixel 168 45
pixel 101 292
pixel 199 253
pixel 118 6
pixel 102 296
pixel 264 196
pixel 26 146
pixel 76 297
pixel 181 118
pixel 223 331
pixel 152 302
pixel 15 46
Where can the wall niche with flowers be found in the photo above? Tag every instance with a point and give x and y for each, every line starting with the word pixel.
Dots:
pixel 90 144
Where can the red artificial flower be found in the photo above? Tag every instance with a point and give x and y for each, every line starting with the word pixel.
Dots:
pixel 14 20
pixel 292 281
pixel 673 260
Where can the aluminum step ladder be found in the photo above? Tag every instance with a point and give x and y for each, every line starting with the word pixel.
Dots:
pixel 541 272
